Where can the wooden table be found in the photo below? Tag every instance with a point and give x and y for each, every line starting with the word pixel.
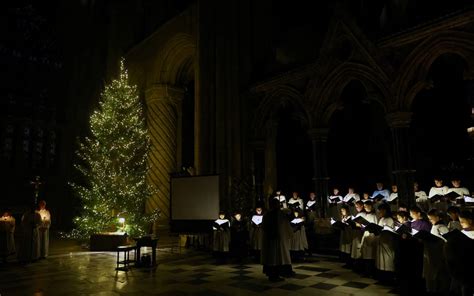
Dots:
pixel 146 241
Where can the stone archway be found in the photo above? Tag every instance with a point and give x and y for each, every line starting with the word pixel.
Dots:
pixel 265 129
pixel 172 69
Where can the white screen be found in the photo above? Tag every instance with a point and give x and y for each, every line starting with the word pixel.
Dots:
pixel 195 198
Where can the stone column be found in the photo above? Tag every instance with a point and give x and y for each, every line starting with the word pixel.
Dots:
pixel 399 123
pixel 318 137
pixel 163 109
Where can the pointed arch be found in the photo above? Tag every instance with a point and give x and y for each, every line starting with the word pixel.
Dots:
pixel 326 99
pixel 280 97
pixel 415 69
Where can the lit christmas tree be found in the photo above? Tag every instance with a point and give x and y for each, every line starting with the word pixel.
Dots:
pixel 114 165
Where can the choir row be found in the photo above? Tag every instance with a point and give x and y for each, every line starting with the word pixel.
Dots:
pixel 34 242
pixel 410 247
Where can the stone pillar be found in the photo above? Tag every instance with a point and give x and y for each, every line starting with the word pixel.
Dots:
pixel 270 181
pixel 318 137
pixel 163 109
pixel 399 123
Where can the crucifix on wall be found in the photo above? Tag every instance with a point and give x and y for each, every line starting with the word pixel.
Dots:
pixel 36 184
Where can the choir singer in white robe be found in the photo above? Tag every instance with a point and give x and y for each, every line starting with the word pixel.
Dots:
pixel 7 239
pixel 276 239
pixel 44 229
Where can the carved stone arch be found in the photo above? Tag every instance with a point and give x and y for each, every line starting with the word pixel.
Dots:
pixel 415 69
pixel 174 62
pixel 326 99
pixel 272 102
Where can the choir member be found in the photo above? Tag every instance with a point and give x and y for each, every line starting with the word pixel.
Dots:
pixel 434 264
pixel 392 198
pixel 295 202
pixel 357 237
pixel 418 223
pixel 460 257
pixel 421 198
pixel 438 189
pixel 256 231
pixel 30 244
pixel 281 199
pixel 380 194
pixel 7 239
pixel 466 219
pixel 394 194
pixel 238 236
pixel 311 215
pixel 368 239
pixel 438 227
pixel 310 207
pixel 276 234
pixel 366 197
pixel 351 197
pixel 299 242
pixel 453 213
pixel 221 236
pixel 403 218
pixel 345 238
pixel 386 244
pixel 409 260
pixel 462 191
pixel 333 200
pixel 44 228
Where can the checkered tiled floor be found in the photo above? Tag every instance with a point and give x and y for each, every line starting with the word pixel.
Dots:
pixel 185 273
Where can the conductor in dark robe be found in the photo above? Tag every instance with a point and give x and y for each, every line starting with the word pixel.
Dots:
pixel 276 239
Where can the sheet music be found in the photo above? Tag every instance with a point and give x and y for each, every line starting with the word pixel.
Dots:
pixel 296 220
pixel 221 221
pixel 257 219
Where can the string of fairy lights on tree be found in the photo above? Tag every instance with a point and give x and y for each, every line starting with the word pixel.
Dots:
pixel 113 161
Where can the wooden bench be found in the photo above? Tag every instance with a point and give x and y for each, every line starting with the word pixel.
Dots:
pixel 124 265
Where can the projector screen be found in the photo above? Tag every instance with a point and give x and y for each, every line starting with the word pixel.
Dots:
pixel 195 198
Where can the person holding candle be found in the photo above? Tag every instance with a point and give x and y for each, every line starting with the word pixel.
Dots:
pixel 7 239
pixel 44 229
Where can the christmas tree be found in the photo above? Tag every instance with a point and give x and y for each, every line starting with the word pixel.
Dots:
pixel 113 162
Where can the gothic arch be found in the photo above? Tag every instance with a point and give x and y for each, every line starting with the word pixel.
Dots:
pixel 174 62
pixel 282 96
pixel 326 99
pixel 415 69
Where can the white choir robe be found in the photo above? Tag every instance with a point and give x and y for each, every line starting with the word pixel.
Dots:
pixel 422 200
pixel 276 239
pixel 385 242
pixel 299 241
pixel 282 200
pixel 434 263
pixel 30 247
pixel 255 233
pixel 462 191
pixel 345 239
pixel 439 205
pixel 44 232
pixel 368 244
pixel 7 236
pixel 221 237
pixel 357 239
pixel 384 192
pixel 351 196
pixel 298 201
pixel 334 204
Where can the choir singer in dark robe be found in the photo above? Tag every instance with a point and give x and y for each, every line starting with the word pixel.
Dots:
pixel 277 234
